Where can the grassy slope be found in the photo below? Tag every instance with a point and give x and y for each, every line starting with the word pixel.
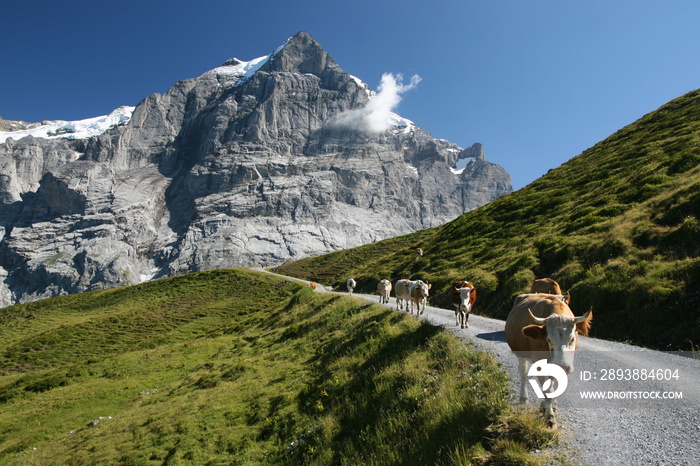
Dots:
pixel 618 226
pixel 234 367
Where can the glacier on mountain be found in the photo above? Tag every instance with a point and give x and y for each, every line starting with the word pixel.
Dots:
pixel 81 129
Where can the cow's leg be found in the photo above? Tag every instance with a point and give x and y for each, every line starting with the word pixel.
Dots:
pixel 523 365
pixel 548 408
pixel 466 319
pixel 548 405
pixel 461 322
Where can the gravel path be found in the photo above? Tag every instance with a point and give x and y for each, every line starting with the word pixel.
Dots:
pixel 633 429
pixel 631 426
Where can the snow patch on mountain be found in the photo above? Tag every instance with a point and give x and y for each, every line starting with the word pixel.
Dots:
pixel 462 164
pixel 81 129
pixel 238 70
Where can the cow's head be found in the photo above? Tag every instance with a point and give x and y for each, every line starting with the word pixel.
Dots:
pixel 464 295
pixel 560 332
pixel 422 289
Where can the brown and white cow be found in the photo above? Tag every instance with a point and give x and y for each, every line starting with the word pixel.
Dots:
pixel 542 326
pixel 403 294
pixel 351 284
pixel 549 286
pixel 463 298
pixel 419 291
pixel 313 285
pixel 384 290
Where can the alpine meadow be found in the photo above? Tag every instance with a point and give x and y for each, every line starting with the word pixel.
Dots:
pixel 239 367
pixel 617 226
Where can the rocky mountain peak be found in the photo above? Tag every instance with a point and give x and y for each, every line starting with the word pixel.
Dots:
pixel 238 167
pixel 475 151
pixel 301 54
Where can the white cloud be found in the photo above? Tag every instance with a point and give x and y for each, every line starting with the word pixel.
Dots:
pixel 375 117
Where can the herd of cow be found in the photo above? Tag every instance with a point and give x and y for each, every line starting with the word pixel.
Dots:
pixel 540 325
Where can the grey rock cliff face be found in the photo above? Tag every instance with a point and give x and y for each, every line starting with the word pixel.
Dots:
pixel 227 169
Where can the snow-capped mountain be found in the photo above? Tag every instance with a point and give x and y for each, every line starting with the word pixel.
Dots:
pixel 252 163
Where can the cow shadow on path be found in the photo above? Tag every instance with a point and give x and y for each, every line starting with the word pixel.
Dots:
pixel 493 336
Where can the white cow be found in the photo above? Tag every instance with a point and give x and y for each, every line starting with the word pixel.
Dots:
pixel 418 291
pixel 402 292
pixel 384 289
pixel 463 298
pixel 351 284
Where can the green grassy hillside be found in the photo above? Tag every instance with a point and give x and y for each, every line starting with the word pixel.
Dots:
pixel 236 367
pixel 618 226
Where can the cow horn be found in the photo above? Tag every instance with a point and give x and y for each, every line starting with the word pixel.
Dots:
pixel 537 320
pixel 582 318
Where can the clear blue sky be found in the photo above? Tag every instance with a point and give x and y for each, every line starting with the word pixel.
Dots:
pixel 535 81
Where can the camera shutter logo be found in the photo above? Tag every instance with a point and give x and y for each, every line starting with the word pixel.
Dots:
pixel 543 369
